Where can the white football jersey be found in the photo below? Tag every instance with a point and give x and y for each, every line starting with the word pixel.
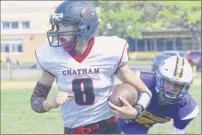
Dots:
pixel 90 77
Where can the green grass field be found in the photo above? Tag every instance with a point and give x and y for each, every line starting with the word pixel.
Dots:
pixel 18 118
pixel 139 63
pixel 131 62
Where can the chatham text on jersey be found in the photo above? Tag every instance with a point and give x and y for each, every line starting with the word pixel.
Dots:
pixel 81 71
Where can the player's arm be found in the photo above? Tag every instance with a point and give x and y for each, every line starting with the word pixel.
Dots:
pixel 38 98
pixel 179 128
pixel 126 75
pixel 184 116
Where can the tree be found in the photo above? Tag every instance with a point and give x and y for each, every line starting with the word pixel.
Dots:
pixel 185 15
pixel 118 17
pixel 129 18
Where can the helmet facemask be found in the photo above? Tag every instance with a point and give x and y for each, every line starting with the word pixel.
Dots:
pixel 169 91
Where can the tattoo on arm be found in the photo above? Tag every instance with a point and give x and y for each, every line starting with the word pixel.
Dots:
pixel 39 95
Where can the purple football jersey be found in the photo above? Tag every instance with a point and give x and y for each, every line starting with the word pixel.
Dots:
pixel 158 114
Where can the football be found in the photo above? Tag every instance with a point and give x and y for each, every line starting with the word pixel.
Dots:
pixel 126 91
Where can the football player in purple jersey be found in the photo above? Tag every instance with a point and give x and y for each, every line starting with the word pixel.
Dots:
pixel 169 86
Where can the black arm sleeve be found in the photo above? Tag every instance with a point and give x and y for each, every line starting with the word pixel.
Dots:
pixel 38 96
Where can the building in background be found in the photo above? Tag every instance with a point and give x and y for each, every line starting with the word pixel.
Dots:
pixel 23 27
pixel 163 40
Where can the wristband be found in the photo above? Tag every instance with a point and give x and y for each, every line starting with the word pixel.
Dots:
pixel 144 99
pixel 139 110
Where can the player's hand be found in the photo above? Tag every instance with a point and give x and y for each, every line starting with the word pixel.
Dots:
pixel 124 112
pixel 61 97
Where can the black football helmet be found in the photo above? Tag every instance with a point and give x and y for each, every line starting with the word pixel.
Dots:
pixel 73 21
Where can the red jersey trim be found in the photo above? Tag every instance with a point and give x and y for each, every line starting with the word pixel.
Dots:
pixel 122 55
pixel 86 52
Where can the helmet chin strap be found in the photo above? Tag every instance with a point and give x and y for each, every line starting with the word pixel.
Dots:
pixel 69 46
pixel 72 45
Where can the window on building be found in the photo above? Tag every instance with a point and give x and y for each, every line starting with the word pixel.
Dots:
pixel 14 25
pixel 131 43
pixel 6 25
pixel 150 44
pixel 187 43
pixel 4 47
pixel 179 45
pixel 169 44
pixel 140 45
pixel 169 47
pixel 12 46
pixel 19 48
pixel 25 25
pixel 160 44
pixel 10 25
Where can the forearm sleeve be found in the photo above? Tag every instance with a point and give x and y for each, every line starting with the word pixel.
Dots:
pixel 38 96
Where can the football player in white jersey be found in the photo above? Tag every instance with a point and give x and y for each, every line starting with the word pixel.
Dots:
pixel 84 68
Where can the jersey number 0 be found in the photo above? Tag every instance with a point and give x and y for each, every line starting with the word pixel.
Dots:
pixel 83 91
